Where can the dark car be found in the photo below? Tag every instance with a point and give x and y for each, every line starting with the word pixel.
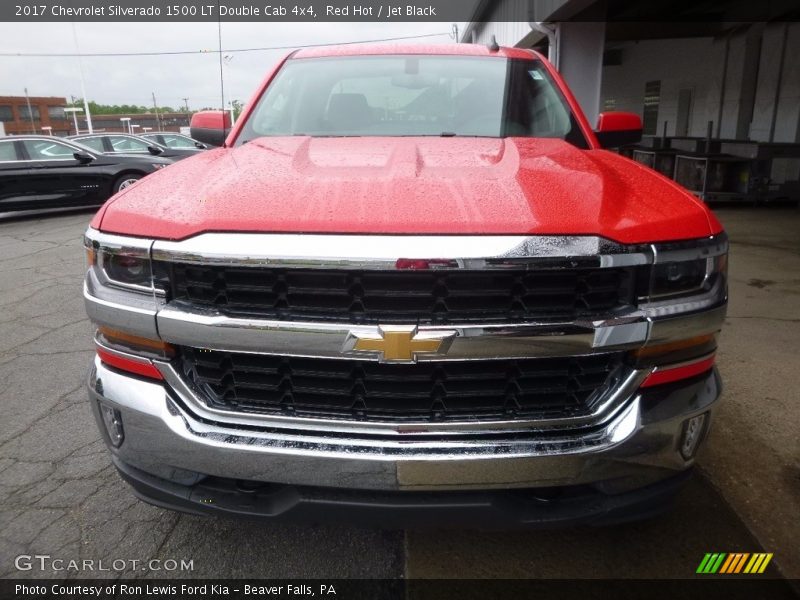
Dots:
pixel 45 172
pixel 174 140
pixel 124 143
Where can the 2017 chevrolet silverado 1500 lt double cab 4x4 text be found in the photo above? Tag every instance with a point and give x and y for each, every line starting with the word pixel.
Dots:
pixel 411 287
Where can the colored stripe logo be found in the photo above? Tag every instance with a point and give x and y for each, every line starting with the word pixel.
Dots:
pixel 732 563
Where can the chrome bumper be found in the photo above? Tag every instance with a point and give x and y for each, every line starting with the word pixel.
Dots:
pixel 637 445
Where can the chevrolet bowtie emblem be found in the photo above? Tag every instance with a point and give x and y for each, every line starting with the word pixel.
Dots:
pixel 399 343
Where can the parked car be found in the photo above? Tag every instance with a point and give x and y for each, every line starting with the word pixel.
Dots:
pixel 170 139
pixel 44 172
pixel 123 143
pixel 412 286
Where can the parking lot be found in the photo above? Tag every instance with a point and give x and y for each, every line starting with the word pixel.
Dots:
pixel 61 497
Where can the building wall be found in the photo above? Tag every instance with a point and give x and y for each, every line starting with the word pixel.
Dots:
pixel 697 64
pixel 786 110
pixel 13 114
pixel 508 32
pixel 731 101
pixel 676 64
pixel 694 64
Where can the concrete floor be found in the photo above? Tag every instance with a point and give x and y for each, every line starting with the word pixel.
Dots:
pixel 61 497
pixel 753 457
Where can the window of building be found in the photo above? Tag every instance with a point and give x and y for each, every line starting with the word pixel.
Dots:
pixel 652 98
pixel 56 113
pixel 25 115
pixel 6 113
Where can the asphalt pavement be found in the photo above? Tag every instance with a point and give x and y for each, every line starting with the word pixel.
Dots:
pixel 61 497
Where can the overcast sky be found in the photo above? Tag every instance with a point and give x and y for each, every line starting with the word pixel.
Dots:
pixel 131 80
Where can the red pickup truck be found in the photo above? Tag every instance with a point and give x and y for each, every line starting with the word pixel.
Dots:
pixel 411 287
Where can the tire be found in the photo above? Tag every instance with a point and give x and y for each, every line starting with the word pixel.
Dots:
pixel 126 180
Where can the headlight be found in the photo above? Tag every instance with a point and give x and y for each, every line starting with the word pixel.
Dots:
pixel 687 280
pixel 123 265
pixel 678 277
pixel 126 270
pixel 686 276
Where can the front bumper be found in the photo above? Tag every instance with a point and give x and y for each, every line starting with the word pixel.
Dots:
pixel 493 509
pixel 637 447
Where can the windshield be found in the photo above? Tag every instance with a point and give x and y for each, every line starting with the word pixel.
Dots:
pixel 412 96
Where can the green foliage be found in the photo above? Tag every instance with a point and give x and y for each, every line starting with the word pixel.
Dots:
pixel 121 109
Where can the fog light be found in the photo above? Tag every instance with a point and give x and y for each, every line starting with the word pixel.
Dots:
pixel 692 434
pixel 113 422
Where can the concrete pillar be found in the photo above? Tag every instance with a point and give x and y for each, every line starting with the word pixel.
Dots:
pixel 749 81
pixel 580 62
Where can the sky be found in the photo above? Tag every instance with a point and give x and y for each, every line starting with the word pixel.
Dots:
pixel 132 80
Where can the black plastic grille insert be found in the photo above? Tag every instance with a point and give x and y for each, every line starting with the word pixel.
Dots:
pixel 364 390
pixel 404 296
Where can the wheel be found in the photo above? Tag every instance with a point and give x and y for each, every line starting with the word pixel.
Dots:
pixel 126 180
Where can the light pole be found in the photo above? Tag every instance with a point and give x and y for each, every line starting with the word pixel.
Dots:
pixel 146 129
pixel 133 126
pixel 126 124
pixel 83 84
pixel 155 108
pixel 30 111
pixel 227 60
pixel 74 111
pixel 48 130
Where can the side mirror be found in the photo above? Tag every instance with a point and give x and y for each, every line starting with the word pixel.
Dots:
pixel 615 129
pixel 83 157
pixel 154 150
pixel 210 126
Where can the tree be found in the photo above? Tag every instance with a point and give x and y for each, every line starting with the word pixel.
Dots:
pixel 238 106
pixel 121 109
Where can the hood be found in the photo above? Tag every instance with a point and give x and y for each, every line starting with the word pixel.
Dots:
pixel 412 185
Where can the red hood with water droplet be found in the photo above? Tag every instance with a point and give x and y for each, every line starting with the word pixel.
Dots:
pixel 406 186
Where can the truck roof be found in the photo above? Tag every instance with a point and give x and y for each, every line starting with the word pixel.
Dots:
pixel 424 49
